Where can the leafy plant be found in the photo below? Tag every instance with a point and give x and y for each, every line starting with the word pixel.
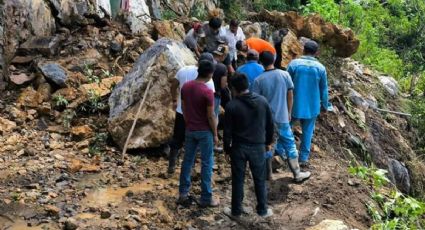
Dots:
pixel 391 210
pixel 95 102
pixel 67 117
pixel 60 101
pixel 97 145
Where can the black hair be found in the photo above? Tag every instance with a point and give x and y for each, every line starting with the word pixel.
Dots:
pixel 205 68
pixel 215 23
pixel 250 57
pixel 234 22
pixel 266 58
pixel 239 82
pixel 239 45
pixel 311 47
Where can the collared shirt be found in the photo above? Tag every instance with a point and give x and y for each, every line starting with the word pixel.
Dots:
pixel 252 70
pixel 274 86
pixel 310 87
pixel 232 39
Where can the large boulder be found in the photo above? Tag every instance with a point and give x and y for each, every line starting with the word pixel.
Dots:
pixel 342 40
pixel 154 126
pixel 291 48
pixel 138 15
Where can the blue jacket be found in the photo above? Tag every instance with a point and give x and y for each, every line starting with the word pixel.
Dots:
pixel 310 87
pixel 252 70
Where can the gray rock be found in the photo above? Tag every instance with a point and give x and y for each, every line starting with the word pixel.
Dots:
pixel 70 224
pixel 46 45
pixel 55 73
pixel 105 214
pixel 390 85
pixel 159 63
pixel 357 99
pixel 399 175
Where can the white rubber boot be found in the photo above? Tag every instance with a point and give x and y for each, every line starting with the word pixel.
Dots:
pixel 296 170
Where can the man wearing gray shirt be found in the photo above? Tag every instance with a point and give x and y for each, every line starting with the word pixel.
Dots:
pixel 277 87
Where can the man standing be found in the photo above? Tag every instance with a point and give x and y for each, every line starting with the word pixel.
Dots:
pixel 201 132
pixel 251 69
pixel 310 93
pixel 277 87
pixel 184 75
pixel 233 34
pixel 214 35
pixel 248 133
pixel 220 75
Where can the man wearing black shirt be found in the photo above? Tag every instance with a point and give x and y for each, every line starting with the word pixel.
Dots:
pixel 248 133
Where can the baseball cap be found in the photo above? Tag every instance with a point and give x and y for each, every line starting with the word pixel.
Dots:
pixel 206 57
pixel 221 50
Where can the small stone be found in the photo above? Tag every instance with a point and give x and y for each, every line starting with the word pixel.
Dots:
pixel 105 214
pixel 55 73
pixel 22 78
pixel 81 132
pixel 70 224
pixel 52 210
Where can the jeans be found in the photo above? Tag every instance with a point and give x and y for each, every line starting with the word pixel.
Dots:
pixel 254 155
pixel 217 102
pixel 203 140
pixel 307 127
pixel 285 141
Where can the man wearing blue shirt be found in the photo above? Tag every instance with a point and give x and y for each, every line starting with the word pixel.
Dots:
pixel 251 69
pixel 310 93
pixel 276 86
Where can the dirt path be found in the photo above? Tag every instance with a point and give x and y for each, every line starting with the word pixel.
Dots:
pixel 42 191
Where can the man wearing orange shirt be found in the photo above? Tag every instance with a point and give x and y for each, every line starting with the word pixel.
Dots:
pixel 257 44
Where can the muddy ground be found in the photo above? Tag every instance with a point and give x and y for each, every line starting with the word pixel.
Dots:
pixel 49 181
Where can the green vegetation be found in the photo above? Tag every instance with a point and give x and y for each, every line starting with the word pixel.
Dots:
pixel 60 101
pixel 94 104
pixel 97 144
pixel 67 116
pixel 391 210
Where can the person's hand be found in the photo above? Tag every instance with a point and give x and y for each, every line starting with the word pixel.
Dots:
pixel 215 139
pixel 268 147
pixel 289 117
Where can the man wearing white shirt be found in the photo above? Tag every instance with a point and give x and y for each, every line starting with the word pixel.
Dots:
pixel 233 34
pixel 184 75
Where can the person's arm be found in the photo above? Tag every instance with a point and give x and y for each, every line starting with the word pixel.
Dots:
pixel 290 102
pixel 269 126
pixel 227 133
pixel 174 91
pixel 323 86
pixel 256 87
pixel 212 119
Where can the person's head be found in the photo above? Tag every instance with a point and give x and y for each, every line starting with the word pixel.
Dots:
pixel 267 59
pixel 252 55
pixel 206 69
pixel 199 31
pixel 239 83
pixel 215 25
pixel 206 57
pixel 311 48
pixel 221 53
pixel 233 25
pixel 241 46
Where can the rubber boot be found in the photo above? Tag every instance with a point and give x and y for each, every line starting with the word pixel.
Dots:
pixel 172 160
pixel 269 169
pixel 295 168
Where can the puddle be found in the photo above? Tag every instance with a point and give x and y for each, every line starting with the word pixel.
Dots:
pixel 104 196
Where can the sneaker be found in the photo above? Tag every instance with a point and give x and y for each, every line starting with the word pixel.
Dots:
pixel 218 149
pixel 212 204
pixel 228 212
pixel 184 201
pixel 269 213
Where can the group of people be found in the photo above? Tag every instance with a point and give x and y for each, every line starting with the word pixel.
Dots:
pixel 265 102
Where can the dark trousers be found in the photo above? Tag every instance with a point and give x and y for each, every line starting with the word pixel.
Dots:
pixel 254 155
pixel 179 132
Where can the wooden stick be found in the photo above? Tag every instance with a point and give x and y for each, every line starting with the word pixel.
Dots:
pixel 393 112
pixel 135 119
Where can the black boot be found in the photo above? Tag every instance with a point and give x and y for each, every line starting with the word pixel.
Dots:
pixel 172 159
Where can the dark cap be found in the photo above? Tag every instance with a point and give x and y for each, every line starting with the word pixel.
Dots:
pixel 221 50
pixel 206 57
pixel 311 47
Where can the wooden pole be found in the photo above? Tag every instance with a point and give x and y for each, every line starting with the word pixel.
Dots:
pixel 135 119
